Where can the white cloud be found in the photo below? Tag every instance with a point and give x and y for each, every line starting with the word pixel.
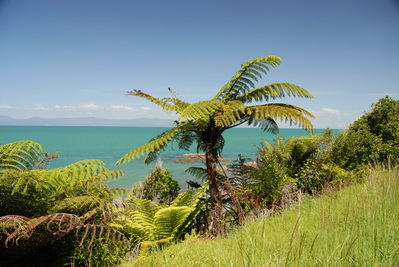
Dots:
pixel 331 111
pixel 120 107
pixel 39 107
pixel 146 108
pixel 6 107
pixel 90 107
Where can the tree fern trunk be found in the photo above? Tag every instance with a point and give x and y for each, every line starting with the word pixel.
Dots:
pixel 215 215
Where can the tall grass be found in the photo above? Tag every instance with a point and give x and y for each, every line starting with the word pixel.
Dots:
pixel 357 226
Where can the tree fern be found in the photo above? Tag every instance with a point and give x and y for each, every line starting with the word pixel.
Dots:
pixel 206 121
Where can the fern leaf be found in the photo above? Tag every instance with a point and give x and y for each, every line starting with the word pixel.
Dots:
pixel 164 105
pixel 20 155
pixel 200 111
pixel 168 221
pixel 190 197
pixel 108 175
pixel 276 90
pixel 198 172
pixel 78 204
pixel 230 113
pixel 284 112
pixel 246 77
pixel 156 145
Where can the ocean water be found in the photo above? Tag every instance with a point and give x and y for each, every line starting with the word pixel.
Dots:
pixel 109 144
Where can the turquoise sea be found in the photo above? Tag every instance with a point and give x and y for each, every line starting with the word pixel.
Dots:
pixel 110 143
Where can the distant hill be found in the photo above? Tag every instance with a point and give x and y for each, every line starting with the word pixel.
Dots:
pixel 88 121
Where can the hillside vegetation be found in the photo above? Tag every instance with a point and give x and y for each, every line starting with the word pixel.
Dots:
pixel 357 226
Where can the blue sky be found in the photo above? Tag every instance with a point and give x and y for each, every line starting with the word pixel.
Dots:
pixel 77 58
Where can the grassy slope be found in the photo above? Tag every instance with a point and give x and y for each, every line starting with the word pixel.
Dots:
pixel 358 226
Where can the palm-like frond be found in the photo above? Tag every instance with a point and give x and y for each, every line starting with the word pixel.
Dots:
pixel 108 175
pixel 83 168
pixel 285 112
pixel 20 155
pixel 200 110
pixel 189 198
pixel 31 181
pixel 273 91
pixel 177 107
pixel 156 145
pixel 78 204
pixel 198 172
pixel 245 78
pixel 179 104
pixel 268 124
pixel 229 113
pixel 169 220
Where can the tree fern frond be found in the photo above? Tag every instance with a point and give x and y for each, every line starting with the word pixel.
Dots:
pixel 198 172
pixel 178 103
pixel 249 74
pixel 168 221
pixel 157 144
pixel 190 198
pixel 284 112
pixel 268 124
pixel 78 204
pixel 164 105
pixel 230 113
pixel 21 155
pixel 276 90
pixel 108 175
pixel 143 205
pixel 27 182
pixel 200 110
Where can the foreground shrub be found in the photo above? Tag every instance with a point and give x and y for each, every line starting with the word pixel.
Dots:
pixel 43 211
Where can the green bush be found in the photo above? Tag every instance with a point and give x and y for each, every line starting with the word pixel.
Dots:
pixel 158 186
pixel 373 138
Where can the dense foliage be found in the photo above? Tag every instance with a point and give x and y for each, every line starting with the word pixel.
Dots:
pixel 44 212
pixel 158 186
pixel 372 138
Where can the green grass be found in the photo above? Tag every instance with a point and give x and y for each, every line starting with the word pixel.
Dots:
pixel 357 226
